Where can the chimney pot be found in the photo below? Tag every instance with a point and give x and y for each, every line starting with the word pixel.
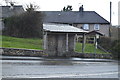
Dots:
pixel 81 9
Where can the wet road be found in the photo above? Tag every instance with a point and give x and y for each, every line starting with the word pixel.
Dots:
pixel 58 68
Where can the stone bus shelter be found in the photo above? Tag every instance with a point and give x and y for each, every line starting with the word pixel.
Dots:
pixel 60 39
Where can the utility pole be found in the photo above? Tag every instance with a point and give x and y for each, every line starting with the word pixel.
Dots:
pixel 110 12
pixel 110 19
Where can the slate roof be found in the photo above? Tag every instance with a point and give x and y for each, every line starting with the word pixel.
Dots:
pixel 62 28
pixel 88 17
pixel 6 11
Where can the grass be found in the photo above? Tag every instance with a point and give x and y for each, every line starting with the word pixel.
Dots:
pixel 35 43
pixel 12 42
pixel 89 48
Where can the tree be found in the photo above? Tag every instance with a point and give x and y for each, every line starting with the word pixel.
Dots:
pixel 9 2
pixel 26 25
pixel 68 8
pixel 31 7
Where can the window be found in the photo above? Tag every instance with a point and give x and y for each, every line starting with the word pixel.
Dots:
pixel 96 27
pixel 86 26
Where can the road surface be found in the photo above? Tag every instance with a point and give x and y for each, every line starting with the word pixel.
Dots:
pixel 58 68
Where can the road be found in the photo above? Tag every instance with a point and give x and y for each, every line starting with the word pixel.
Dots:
pixel 58 68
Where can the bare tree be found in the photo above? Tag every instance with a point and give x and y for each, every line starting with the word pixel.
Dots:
pixel 32 7
pixel 68 8
pixel 9 2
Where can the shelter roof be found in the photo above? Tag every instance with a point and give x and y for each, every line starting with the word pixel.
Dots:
pixel 62 28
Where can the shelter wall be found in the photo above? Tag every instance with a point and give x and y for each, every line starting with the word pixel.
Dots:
pixel 57 44
pixel 52 45
pixel 61 46
pixel 71 43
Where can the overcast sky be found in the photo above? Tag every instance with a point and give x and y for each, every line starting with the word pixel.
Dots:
pixel 102 7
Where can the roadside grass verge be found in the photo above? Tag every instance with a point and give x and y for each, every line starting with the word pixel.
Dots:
pixel 12 42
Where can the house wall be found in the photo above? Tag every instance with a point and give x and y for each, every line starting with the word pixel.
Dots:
pixel 104 28
pixel 114 31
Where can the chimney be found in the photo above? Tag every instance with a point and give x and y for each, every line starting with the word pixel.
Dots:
pixel 11 5
pixel 81 9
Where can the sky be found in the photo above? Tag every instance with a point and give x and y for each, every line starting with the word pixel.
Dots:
pixel 102 7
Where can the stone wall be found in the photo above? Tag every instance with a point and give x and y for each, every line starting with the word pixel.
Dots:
pixel 21 52
pixel 91 55
pixel 39 53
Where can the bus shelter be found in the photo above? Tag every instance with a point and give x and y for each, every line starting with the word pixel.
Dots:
pixel 60 39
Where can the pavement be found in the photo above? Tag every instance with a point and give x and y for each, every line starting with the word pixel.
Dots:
pixel 37 67
pixel 55 59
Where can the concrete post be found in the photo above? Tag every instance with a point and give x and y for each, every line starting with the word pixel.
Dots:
pixel 45 40
pixel 75 41
pixel 83 44
pixel 67 42
pixel 95 43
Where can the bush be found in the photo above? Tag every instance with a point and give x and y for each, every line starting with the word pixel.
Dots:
pixel 105 42
pixel 116 49
pixel 26 25
pixel 112 46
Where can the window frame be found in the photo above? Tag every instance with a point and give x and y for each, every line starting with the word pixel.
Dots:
pixel 97 27
pixel 86 27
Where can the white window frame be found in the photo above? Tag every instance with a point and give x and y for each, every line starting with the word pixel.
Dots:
pixel 96 27
pixel 86 26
